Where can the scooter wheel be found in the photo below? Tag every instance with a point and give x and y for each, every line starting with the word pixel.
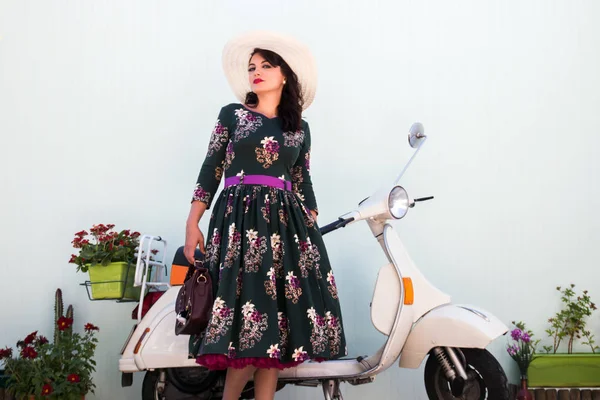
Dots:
pixel 486 378
pixel 149 387
pixel 192 380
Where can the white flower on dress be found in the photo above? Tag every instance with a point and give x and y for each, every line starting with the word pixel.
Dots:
pixel 275 240
pixel 299 354
pixel 231 229
pixel 248 308
pixel 274 351
pixel 240 173
pixel 282 177
pixel 271 272
pixel 218 305
pixel 312 313
pixel 252 235
pixel 241 113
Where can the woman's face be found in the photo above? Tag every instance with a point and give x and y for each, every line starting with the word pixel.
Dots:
pixel 263 76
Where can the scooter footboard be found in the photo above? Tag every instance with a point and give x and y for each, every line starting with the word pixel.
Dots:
pixel 450 325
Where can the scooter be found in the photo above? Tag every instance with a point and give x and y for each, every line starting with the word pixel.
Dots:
pixel 419 320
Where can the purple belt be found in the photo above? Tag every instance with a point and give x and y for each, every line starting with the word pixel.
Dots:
pixel 258 180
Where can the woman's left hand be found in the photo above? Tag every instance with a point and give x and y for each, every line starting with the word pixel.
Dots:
pixel 314 215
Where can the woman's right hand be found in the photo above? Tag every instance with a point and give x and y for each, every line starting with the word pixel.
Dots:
pixel 193 239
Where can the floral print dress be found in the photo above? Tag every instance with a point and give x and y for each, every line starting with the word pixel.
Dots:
pixel 276 301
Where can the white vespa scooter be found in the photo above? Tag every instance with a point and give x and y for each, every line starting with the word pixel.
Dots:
pixel 418 319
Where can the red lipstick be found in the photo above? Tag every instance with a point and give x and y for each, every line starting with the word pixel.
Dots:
pixel 258 80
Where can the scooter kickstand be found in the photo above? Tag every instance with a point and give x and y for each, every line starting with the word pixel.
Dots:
pixel 331 389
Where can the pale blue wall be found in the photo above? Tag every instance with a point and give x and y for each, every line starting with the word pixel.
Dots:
pixel 92 93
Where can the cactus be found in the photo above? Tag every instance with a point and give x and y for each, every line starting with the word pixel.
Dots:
pixel 70 315
pixel 58 312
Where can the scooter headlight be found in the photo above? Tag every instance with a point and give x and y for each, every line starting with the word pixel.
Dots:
pixel 398 202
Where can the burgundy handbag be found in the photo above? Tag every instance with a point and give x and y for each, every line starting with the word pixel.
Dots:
pixel 194 302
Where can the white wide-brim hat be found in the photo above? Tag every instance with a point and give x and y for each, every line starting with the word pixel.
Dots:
pixel 238 50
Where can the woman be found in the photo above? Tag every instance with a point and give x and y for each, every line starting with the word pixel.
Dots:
pixel 276 302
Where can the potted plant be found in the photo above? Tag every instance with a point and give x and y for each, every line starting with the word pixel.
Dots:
pixel 107 256
pixel 58 370
pixel 570 369
pixel 522 350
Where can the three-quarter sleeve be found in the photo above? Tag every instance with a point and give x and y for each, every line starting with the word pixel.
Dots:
pixel 301 181
pixel 212 169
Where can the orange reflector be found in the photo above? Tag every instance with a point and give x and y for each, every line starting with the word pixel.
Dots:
pixel 409 293
pixel 139 343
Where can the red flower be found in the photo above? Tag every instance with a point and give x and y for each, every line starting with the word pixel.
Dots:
pixel 76 242
pixel 73 378
pixel 90 327
pixel 47 389
pixel 29 352
pixel 5 353
pixel 64 323
pixel 126 232
pixel 81 234
pixel 121 243
pixel 110 226
pixel 42 340
pixel 30 338
pixel 154 251
pixel 135 234
pixel 72 259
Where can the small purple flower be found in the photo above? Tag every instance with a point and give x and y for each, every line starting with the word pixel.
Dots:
pixel 200 193
pixel 256 317
pixel 250 117
pixel 272 147
pixel 525 337
pixel 295 282
pixel 231 352
pixel 307 164
pixel 511 351
pixel 230 201
pixel 283 323
pixel 225 312
pixel 230 148
pixel 216 240
pixel 516 334
pixel 333 321
pixel 257 242
pixel 237 237
pixel 219 129
pixel 304 246
pixel 320 320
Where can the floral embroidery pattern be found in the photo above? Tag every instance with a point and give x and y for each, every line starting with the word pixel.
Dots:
pixel 266 210
pixel 219 136
pixel 283 216
pixel 229 156
pixel 246 124
pixel 219 171
pixel 271 284
pixel 233 246
pixel 238 283
pixel 318 337
pixel 201 194
pixel 309 257
pixel 221 319
pixel 307 160
pixel 229 206
pixel 332 287
pixel 293 291
pixel 299 354
pixel 249 198
pixel 274 351
pixel 334 332
pixel 282 321
pixel 254 255
pixel 231 350
pixel 278 252
pixel 293 139
pixel 213 249
pixel 253 326
pixel 268 153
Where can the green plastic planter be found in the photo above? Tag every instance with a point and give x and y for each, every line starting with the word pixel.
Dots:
pixel 114 281
pixel 565 370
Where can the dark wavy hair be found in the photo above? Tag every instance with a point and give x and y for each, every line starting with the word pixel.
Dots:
pixel 289 109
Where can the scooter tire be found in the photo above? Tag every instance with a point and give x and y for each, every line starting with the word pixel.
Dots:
pixel 177 378
pixel 491 381
pixel 149 386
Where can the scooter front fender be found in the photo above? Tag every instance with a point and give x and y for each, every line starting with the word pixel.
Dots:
pixel 452 325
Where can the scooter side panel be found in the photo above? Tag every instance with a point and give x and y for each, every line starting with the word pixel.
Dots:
pixel 452 326
pixel 386 299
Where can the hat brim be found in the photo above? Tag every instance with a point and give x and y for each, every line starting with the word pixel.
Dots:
pixel 238 50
